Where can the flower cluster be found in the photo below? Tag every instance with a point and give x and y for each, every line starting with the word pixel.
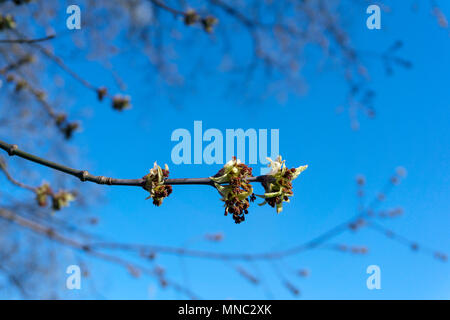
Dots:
pixel 191 17
pixel 7 22
pixel 101 93
pixel 233 185
pixel 154 183
pixel 69 129
pixel 278 186
pixel 208 23
pixel 42 193
pixel 59 200
pixel 237 192
pixel 119 102
pixel 62 199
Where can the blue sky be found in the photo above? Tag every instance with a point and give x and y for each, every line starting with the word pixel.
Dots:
pixel 410 130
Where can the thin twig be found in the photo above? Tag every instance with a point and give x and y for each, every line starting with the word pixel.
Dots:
pixel 60 62
pixel 27 40
pixel 11 179
pixel 413 245
pixel 273 255
pixel 162 5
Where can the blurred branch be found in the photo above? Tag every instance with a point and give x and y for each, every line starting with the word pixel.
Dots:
pixel 234 13
pixel 65 126
pixel 60 62
pixel 101 91
pixel 272 255
pixel 11 179
pixel 413 245
pixel 74 244
pixel 15 281
pixel 27 40
pixel 162 5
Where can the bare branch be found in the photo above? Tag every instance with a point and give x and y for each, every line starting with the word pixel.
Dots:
pixel 27 40
pixel 84 175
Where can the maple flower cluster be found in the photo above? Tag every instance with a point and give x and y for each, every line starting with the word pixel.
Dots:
pixel 154 183
pixel 233 184
pixel 59 200
pixel 238 192
pixel 278 188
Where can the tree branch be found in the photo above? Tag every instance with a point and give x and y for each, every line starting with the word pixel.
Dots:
pixel 84 175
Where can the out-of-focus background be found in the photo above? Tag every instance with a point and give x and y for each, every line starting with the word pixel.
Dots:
pixel 358 106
